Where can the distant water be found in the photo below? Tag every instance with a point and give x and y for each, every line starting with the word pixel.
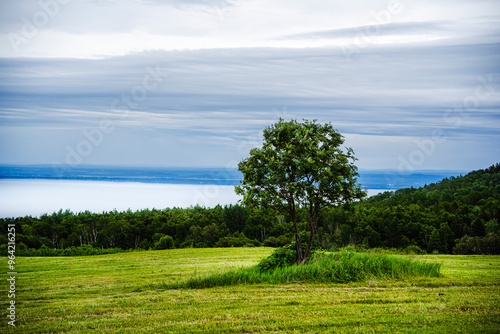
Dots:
pixel 34 190
pixel 219 176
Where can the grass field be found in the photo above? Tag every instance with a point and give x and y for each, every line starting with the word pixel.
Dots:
pixel 123 293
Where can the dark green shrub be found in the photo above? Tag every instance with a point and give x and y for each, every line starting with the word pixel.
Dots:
pixel 157 236
pixel 230 242
pixel 489 244
pixel 414 250
pixel 83 250
pixel 144 244
pixel 236 240
pixel 165 242
pixel 276 242
pixel 467 245
pixel 281 257
pixel 254 242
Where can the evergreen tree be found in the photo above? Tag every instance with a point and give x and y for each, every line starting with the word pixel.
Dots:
pixel 434 242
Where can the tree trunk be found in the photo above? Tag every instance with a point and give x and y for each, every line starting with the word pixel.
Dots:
pixel 309 243
pixel 312 228
pixel 300 255
pixel 94 234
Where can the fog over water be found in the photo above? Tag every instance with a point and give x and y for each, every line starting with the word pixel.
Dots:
pixel 36 197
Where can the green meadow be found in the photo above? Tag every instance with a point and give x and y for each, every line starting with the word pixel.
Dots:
pixel 128 293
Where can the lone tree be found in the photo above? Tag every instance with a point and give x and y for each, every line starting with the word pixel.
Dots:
pixel 300 165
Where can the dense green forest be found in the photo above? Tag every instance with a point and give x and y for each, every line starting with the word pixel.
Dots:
pixel 457 215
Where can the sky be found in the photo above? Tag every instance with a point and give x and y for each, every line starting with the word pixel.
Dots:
pixel 411 84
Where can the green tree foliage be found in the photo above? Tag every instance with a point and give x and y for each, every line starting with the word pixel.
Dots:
pixel 435 244
pixel 492 226
pixel 300 165
pixel 235 217
pixel 477 228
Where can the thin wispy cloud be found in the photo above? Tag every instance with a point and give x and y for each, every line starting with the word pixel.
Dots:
pixel 388 29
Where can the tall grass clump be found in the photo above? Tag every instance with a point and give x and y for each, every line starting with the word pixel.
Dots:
pixel 342 267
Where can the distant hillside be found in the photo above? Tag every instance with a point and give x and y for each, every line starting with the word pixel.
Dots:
pixel 470 189
pixel 434 217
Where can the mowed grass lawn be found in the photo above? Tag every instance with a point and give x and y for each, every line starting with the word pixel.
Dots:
pixel 123 293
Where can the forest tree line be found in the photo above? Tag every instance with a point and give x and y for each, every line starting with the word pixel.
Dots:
pixel 456 215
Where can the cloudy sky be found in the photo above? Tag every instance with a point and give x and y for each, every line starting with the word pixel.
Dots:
pixel 411 84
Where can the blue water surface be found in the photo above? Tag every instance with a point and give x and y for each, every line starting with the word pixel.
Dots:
pixel 374 179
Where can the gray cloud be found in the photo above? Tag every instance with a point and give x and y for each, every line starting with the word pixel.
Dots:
pixel 212 104
pixel 476 30
pixel 387 91
pixel 397 28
